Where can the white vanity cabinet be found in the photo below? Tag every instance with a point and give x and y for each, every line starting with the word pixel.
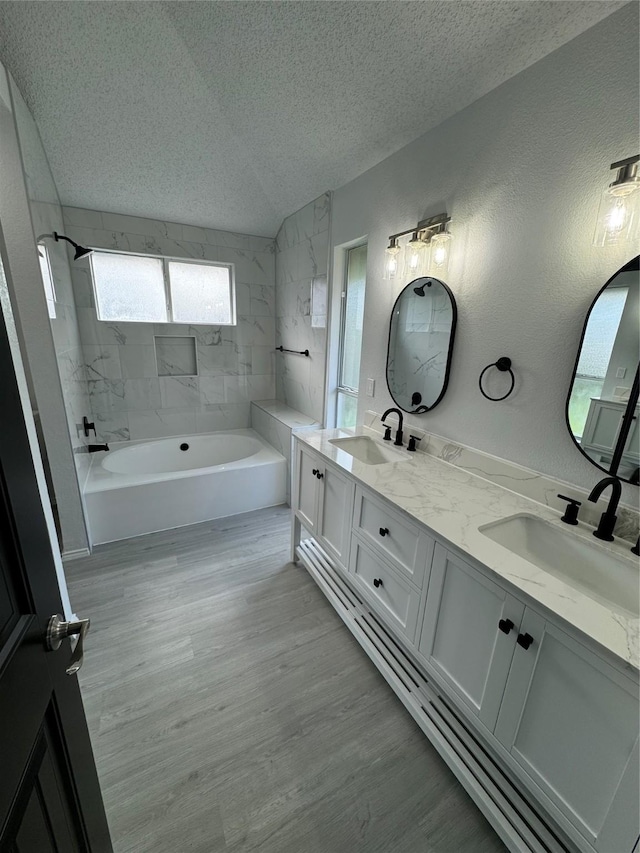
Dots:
pixel 564 715
pixel 569 719
pixel 601 429
pixel 469 633
pixel 403 543
pixel 552 710
pixel 323 502
pixel 391 596
pixel 390 561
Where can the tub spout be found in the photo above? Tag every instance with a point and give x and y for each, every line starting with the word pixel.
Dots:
pixel 95 448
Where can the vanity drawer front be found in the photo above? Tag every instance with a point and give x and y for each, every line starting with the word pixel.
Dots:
pixel 391 596
pixel 405 545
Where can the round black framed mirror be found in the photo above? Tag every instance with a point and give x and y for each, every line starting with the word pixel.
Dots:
pixel 602 406
pixel 421 333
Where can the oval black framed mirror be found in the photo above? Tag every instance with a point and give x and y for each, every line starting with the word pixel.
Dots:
pixel 421 333
pixel 602 405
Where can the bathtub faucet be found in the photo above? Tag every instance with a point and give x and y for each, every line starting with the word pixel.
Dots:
pixel 94 448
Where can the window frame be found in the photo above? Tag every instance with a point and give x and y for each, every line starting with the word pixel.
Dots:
pixel 345 390
pixel 166 259
pixel 53 300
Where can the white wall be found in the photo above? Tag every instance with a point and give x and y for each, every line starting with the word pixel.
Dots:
pixel 521 172
pixel 46 217
pixel 6 309
pixel 39 349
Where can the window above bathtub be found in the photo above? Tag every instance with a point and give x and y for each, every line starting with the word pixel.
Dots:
pixel 149 289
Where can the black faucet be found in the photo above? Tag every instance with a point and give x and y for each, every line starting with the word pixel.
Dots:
pixel 94 448
pixel 398 440
pixel 608 518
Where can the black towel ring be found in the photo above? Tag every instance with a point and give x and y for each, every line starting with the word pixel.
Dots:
pixel 503 364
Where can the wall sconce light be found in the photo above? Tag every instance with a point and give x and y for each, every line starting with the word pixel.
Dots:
pixel 440 250
pixel 428 249
pixel 392 260
pixel 416 255
pixel 619 209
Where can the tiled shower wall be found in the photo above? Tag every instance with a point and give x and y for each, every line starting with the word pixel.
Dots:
pixel 302 253
pixel 235 364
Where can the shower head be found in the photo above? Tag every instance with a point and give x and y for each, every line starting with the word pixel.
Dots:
pixel 419 291
pixel 81 251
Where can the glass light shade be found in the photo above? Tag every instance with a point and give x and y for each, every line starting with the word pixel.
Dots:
pixel 392 263
pixel 618 215
pixel 416 255
pixel 440 251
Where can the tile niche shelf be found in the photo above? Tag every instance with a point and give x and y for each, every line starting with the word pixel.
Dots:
pixel 176 356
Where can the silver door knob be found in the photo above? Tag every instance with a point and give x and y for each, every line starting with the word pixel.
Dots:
pixel 58 630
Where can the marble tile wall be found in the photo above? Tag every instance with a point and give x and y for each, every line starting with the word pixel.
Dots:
pixel 65 329
pixel 302 254
pixel 276 423
pixel 236 364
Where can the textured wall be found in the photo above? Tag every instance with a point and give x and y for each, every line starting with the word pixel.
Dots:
pixel 521 172
pixel 235 363
pixel 64 351
pixel 302 246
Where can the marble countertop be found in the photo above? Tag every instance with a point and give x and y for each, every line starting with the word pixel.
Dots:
pixel 453 504
pixel 291 417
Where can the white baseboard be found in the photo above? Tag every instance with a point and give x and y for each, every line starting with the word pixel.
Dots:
pixel 75 555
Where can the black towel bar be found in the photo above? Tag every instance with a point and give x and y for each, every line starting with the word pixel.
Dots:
pixel 304 352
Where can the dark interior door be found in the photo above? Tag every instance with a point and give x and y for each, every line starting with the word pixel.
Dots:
pixel 50 798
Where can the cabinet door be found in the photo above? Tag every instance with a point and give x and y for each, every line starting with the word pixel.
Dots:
pixel 462 640
pixel 391 596
pixel 570 720
pixel 307 488
pixel 405 545
pixel 602 425
pixel 334 513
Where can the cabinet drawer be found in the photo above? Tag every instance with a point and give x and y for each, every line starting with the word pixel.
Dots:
pixel 391 596
pixel 404 544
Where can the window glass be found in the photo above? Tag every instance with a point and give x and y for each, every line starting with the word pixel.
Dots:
pixel 595 355
pixel 47 279
pixel 201 294
pixel 601 333
pixel 353 317
pixel 347 410
pixel 129 288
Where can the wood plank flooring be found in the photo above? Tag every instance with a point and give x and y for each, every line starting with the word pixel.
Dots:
pixel 231 710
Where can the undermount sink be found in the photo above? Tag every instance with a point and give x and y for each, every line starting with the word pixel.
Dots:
pixel 598 573
pixel 367 450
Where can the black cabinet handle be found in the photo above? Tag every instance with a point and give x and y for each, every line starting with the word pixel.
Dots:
pixel 319 475
pixel 315 472
pixel 506 625
pixel 377 582
pixel 524 640
pixel 384 531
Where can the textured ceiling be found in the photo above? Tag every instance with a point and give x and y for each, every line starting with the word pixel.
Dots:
pixel 235 114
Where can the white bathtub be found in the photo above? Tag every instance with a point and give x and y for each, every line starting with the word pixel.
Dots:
pixel 146 486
